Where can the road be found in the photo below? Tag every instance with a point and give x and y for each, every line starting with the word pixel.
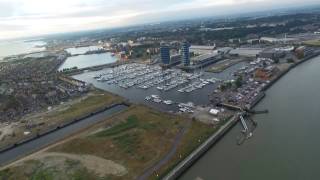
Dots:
pixel 154 168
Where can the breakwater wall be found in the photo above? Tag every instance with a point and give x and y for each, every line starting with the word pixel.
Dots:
pixel 259 98
pixel 93 68
pixel 202 149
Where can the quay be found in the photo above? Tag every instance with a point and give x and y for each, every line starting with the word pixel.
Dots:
pixel 202 149
pixel 230 106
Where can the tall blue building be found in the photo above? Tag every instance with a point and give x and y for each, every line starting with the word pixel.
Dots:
pixel 165 53
pixel 185 53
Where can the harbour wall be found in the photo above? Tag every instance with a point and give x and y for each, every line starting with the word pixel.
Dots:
pixel 202 149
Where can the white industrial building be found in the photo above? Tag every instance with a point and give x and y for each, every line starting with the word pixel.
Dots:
pixel 246 52
pixel 202 49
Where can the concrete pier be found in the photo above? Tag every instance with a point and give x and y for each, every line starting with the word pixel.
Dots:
pixel 244 124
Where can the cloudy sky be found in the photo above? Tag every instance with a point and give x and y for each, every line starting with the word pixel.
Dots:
pixel 19 18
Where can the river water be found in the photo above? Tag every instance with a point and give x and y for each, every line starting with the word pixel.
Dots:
pixel 286 143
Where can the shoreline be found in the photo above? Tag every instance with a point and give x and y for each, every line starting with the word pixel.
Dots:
pixel 192 158
pixel 202 149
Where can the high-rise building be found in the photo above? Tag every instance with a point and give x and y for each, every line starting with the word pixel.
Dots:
pixel 165 53
pixel 185 53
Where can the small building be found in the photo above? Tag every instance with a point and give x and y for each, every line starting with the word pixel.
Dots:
pixel 205 59
pixel 246 52
pixel 202 49
pixel 272 53
pixel 253 41
pixel 265 73
pixel 277 40
pixel 224 50
pixel 214 112
pixel 303 51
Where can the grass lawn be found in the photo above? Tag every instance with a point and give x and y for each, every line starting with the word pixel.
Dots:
pixel 93 102
pixel 135 139
pixel 312 43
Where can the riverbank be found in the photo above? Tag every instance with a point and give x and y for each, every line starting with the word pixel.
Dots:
pixel 33 125
pixel 199 152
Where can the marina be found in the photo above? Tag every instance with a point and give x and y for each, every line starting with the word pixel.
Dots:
pixel 137 82
pixel 145 77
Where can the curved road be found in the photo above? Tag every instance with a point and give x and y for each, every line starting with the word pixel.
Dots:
pixel 148 172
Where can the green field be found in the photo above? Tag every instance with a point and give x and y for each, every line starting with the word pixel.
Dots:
pixel 312 43
pixel 133 141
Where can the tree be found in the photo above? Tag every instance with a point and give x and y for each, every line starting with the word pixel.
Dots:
pixel 290 60
pixel 223 87
pixel 238 82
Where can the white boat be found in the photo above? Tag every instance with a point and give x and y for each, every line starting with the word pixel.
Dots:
pixel 97 76
pixel 190 111
pixel 157 100
pixel 183 109
pixel 155 96
pixel 168 102
pixel 102 79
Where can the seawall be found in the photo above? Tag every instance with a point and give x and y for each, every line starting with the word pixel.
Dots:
pixel 202 149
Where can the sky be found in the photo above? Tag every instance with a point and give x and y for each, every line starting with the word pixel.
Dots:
pixel 22 18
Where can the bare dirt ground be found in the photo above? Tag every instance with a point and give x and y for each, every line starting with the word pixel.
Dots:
pixel 283 66
pixel 98 165
pixel 6 130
